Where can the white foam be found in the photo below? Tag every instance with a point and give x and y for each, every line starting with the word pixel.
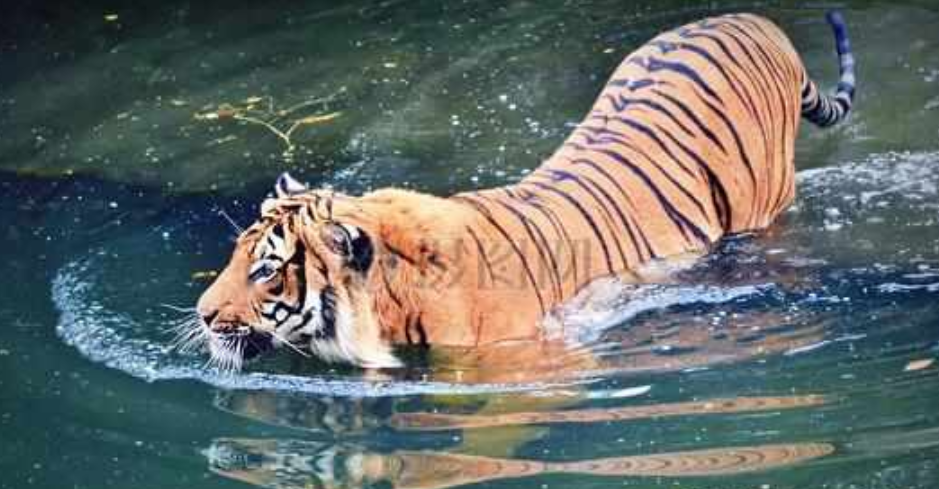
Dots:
pixel 628 392
pixel 914 176
pixel 610 302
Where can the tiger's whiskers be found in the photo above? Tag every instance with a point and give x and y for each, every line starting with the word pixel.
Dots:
pixel 289 344
pixel 227 357
pixel 238 229
pixel 177 308
pixel 189 340
pixel 188 333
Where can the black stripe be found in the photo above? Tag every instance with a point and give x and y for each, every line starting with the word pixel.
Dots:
pixel 621 103
pixel 736 84
pixel 327 313
pixel 681 221
pixel 650 253
pixel 754 82
pixel 400 254
pixel 757 74
pixel 391 294
pixel 319 263
pixel 632 85
pixel 790 117
pixel 534 233
pixel 421 332
pixel 721 200
pixel 407 330
pixel 615 138
pixel 648 133
pixel 653 65
pixel 847 88
pixel 771 65
pixel 708 133
pixel 531 199
pixel 487 214
pixel 710 59
pixel 482 253
pixel 278 230
pixel 752 22
pixel 299 259
pixel 622 218
pixel 714 180
pixel 738 141
pixel 585 215
pixel 746 101
pixel 561 175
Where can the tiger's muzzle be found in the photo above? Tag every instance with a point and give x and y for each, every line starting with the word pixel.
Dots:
pixel 227 334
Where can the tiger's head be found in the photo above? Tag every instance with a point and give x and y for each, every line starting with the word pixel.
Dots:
pixel 299 278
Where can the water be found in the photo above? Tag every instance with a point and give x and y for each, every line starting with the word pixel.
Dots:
pixel 797 358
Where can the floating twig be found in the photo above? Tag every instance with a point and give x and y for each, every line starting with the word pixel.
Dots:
pixel 262 111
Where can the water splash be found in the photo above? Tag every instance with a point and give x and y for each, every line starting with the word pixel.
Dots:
pixel 108 327
pixel 608 303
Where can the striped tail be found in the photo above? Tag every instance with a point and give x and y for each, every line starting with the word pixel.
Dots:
pixel 822 109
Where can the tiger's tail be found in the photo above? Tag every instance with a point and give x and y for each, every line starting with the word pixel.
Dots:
pixel 824 109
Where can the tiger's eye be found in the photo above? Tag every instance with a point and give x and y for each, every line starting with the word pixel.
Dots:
pixel 262 272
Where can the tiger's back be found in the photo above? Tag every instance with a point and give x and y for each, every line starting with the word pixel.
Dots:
pixel 709 112
pixel 691 139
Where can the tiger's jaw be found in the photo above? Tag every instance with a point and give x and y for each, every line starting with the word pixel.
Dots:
pixel 346 330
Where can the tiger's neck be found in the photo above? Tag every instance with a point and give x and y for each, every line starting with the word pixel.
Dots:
pixel 421 292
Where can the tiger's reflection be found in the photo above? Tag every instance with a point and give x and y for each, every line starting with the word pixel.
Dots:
pixel 294 464
pixel 646 346
pixel 356 416
pixel 493 426
pixel 321 414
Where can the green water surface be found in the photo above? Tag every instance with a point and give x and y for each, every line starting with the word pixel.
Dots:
pixel 113 170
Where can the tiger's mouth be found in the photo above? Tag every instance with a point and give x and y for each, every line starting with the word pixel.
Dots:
pixel 229 349
pixel 256 343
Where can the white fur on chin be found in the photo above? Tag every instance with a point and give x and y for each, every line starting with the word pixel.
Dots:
pixel 353 345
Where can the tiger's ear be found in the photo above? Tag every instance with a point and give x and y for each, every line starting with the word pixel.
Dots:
pixel 288 186
pixel 351 243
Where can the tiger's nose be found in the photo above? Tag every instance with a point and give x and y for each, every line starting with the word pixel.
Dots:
pixel 216 325
pixel 223 322
pixel 208 318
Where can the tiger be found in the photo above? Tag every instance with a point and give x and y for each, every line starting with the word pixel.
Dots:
pixel 691 140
